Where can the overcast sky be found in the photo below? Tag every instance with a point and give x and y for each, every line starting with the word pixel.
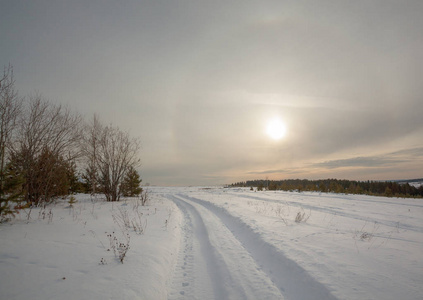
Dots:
pixel 198 81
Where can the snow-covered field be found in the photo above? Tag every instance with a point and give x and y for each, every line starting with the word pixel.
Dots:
pixel 215 243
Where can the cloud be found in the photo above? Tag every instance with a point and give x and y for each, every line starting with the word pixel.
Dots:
pixel 367 162
pixel 290 171
pixel 385 160
pixel 412 152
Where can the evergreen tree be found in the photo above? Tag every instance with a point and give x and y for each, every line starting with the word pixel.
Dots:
pixel 260 186
pixel 75 186
pixel 130 186
pixel 44 178
pixel 90 180
pixel 12 191
pixel 272 186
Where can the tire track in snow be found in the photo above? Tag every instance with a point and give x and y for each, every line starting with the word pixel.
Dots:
pixel 188 280
pixel 231 271
pixel 291 279
pixel 338 211
pixel 203 277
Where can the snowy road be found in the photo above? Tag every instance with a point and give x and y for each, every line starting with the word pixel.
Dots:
pixel 221 257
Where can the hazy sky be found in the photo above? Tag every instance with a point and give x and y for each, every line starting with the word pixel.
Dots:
pixel 198 81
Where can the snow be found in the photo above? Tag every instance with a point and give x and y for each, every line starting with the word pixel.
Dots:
pixel 61 259
pixel 416 184
pixel 216 243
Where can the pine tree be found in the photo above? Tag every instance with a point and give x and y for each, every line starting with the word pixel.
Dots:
pixel 75 186
pixel 91 181
pixel 44 178
pixel 130 186
pixel 12 191
pixel 50 178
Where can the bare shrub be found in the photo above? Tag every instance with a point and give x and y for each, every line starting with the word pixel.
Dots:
pixel 279 211
pixel 144 197
pixel 302 217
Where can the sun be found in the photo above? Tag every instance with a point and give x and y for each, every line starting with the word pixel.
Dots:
pixel 276 129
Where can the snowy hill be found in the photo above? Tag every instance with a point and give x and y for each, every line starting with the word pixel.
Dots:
pixel 194 243
pixel 414 182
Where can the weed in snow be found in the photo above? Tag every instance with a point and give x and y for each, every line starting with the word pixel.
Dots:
pixel 279 210
pixel 44 214
pixel 137 224
pixel 302 217
pixel 365 235
pixel 169 211
pixel 92 211
pixel 280 213
pixel 121 219
pixel 119 248
pixel 126 221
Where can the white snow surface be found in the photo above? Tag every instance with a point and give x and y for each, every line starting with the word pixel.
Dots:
pixel 217 243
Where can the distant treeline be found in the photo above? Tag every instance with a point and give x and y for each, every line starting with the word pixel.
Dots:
pixel 376 188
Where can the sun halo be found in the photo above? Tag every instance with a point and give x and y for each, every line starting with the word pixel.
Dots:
pixel 276 129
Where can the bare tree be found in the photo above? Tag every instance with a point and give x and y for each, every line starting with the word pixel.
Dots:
pixel 89 147
pixel 117 151
pixel 46 124
pixel 109 153
pixel 10 109
pixel 45 128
